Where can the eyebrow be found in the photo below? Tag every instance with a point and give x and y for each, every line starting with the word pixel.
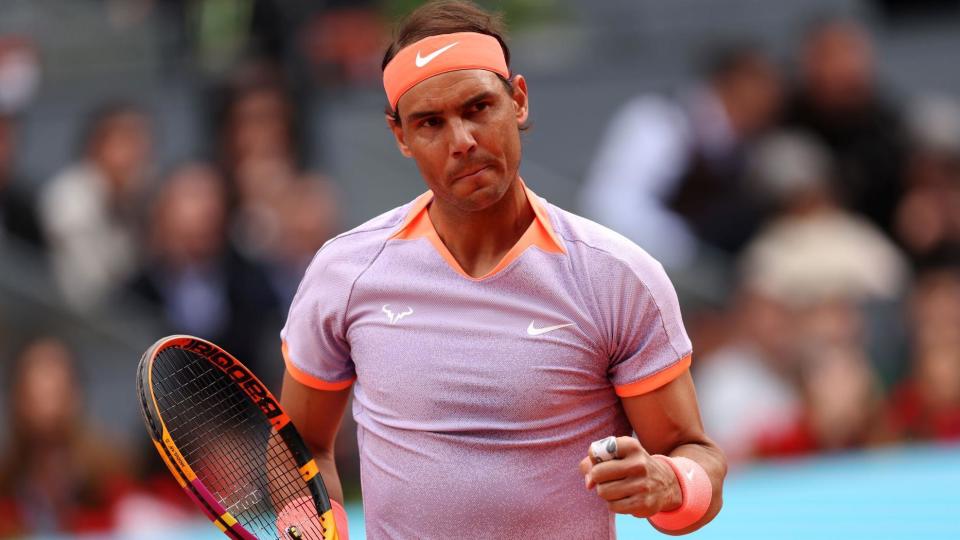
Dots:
pixel 414 116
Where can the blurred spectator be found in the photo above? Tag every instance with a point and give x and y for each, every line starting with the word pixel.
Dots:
pixel 838 101
pixel 200 283
pixel 59 473
pixel 20 72
pixel 668 173
pixel 841 403
pixel 814 250
pixel 90 211
pixel 927 404
pixel 928 217
pixel 258 152
pixel 308 217
pixel 18 217
pixel 260 187
pixel 748 387
pixel 256 121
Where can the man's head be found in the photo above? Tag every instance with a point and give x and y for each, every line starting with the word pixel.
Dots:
pixel 189 217
pixel 8 145
pixel 837 64
pixel 119 140
pixel 454 108
pixel 748 84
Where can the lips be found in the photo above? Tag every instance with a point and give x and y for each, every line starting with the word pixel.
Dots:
pixel 471 172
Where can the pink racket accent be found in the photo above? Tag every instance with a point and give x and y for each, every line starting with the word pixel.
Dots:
pixel 219 509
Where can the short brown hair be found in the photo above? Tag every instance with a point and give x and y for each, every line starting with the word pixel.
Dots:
pixel 446 17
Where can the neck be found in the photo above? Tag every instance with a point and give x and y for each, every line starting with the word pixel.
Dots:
pixel 479 240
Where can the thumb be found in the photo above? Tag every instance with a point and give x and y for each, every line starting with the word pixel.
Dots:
pixel 585 466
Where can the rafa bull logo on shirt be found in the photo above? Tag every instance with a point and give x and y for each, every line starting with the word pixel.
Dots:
pixel 239 373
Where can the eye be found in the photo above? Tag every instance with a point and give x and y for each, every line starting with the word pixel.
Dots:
pixel 479 107
pixel 430 122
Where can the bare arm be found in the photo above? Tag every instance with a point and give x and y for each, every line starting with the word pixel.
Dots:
pixel 317 415
pixel 667 421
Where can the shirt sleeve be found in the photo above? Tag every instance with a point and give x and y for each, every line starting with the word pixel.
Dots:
pixel 315 348
pixel 649 345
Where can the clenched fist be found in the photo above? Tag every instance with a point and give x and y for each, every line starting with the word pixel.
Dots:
pixel 636 483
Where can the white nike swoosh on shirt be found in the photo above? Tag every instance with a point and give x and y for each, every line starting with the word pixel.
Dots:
pixel 422 61
pixel 533 331
pixel 689 474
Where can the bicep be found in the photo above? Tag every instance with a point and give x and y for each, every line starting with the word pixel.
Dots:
pixel 667 417
pixel 316 413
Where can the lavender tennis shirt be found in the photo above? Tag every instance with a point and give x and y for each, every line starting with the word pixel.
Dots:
pixel 476 398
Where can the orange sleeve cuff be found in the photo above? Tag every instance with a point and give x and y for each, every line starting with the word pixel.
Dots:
pixel 652 382
pixel 307 379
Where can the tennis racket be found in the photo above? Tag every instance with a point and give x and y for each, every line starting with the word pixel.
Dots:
pixel 229 444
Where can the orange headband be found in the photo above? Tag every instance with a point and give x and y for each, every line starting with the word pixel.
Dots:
pixel 440 54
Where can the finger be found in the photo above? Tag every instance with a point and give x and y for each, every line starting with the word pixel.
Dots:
pixel 619 469
pixel 621 489
pixel 628 446
pixel 585 465
pixel 603 450
pixel 641 505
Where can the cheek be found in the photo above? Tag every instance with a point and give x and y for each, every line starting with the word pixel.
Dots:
pixel 431 162
pixel 511 146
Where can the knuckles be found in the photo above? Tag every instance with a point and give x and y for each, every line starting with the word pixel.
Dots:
pixel 628 445
pixel 637 467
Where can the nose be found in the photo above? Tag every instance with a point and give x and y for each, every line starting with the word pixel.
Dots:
pixel 462 141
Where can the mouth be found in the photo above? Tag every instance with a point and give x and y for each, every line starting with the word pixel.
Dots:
pixel 473 172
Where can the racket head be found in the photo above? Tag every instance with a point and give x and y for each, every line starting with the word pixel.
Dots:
pixel 229 445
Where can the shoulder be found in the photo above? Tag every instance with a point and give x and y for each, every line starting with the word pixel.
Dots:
pixel 73 195
pixel 651 119
pixel 75 178
pixel 595 245
pixel 653 108
pixel 347 255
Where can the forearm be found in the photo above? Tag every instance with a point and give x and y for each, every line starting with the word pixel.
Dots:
pixel 667 421
pixel 328 471
pixel 317 415
pixel 709 456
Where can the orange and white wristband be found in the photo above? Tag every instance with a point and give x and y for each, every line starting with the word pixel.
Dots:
pixel 697 492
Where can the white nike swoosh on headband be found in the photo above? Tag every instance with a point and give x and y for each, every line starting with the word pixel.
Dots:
pixel 422 61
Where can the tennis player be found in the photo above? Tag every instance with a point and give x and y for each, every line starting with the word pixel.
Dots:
pixel 490 337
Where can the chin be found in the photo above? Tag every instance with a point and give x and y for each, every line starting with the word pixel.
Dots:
pixel 478 196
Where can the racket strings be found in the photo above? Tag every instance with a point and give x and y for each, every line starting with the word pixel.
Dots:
pixel 230 445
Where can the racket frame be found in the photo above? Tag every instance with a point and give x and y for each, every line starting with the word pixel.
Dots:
pixel 258 393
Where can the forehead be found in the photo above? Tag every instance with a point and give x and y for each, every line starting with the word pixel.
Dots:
pixel 448 90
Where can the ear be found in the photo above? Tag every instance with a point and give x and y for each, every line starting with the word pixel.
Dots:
pixel 397 130
pixel 521 101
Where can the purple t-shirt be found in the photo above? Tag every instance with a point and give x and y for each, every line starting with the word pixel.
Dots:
pixel 476 398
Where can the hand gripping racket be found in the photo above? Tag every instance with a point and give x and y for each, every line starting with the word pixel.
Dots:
pixel 229 444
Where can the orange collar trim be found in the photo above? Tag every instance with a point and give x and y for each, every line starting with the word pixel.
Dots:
pixel 540 233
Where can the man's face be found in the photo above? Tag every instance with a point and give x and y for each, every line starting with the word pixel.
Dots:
pixel 838 67
pixel 462 128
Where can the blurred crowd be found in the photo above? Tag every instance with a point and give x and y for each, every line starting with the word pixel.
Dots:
pixel 213 245
pixel 830 212
pixel 827 209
